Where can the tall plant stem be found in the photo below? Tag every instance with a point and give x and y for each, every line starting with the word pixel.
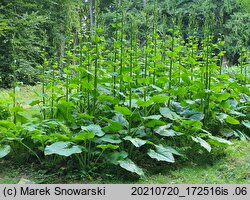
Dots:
pixel 96 60
pixel 95 78
pixel 14 92
pixel 155 40
pixel 14 67
pixel 80 74
pixel 43 87
pixel 130 74
pixel 171 65
pixel 121 49
pixel 33 152
pixel 146 65
pixel 52 92
pixel 88 92
pixel 115 52
pixel 208 72
pixel 67 87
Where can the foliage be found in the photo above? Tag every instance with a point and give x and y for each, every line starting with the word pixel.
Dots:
pixel 117 98
pixel 26 30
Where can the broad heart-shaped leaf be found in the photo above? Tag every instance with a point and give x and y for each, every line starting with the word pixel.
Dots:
pixel 202 142
pixel 165 131
pixel 137 142
pixel 168 149
pixel 144 103
pixel 193 115
pixel 246 123
pixel 123 110
pixel 218 141
pixel 109 99
pixel 157 117
pixel 232 120
pixel 107 146
pixel 129 165
pixel 114 157
pixel 113 126
pixel 239 114
pixel 119 118
pixel 166 112
pixel 60 137
pixel 197 116
pixel 84 135
pixel 155 122
pixel 62 149
pixel 40 137
pixel 165 150
pixel 7 124
pixel 161 155
pixel 223 97
pixel 111 138
pixel 4 150
pixel 159 98
pixel 21 118
pixel 227 132
pixel 96 129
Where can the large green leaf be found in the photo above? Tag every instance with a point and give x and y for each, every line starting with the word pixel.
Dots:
pixel 4 150
pixel 218 141
pixel 227 132
pixel 7 124
pixel 107 146
pixel 193 115
pixel 120 119
pixel 137 142
pixel 113 126
pixel 62 148
pixel 109 99
pixel 168 149
pixel 159 98
pixel 161 155
pixel 123 110
pixel 84 135
pixel 197 116
pixel 155 122
pixel 111 138
pixel 223 96
pixel 166 112
pixel 232 120
pixel 114 157
pixel 96 129
pixel 236 113
pixel 246 123
pixel 202 142
pixel 40 137
pixel 165 131
pixel 144 103
pixel 59 137
pixel 129 165
pixel 157 117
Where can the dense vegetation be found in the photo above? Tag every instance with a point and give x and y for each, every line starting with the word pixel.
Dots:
pixel 124 83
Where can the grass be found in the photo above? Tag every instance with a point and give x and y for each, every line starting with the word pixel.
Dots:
pixel 24 94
